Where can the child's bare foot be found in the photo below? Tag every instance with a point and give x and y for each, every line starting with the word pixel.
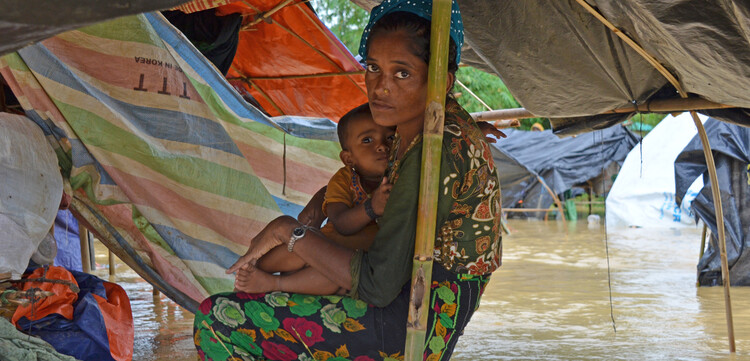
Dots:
pixel 250 279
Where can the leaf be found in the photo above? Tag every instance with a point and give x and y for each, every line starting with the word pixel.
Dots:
pixel 266 335
pixel 322 355
pixel 342 352
pixel 285 335
pixel 383 354
pixel 440 330
pixel 248 332
pixel 449 309
pixel 434 356
pixel 352 325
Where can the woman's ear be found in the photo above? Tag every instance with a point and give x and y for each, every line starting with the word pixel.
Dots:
pixel 449 82
pixel 346 158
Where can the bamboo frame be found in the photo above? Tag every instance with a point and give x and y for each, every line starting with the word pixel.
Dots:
pixel 313 48
pixel 658 106
pixel 473 95
pixel 301 76
pixel 419 300
pixel 709 163
pixel 83 236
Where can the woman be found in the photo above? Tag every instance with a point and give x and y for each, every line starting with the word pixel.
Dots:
pixel 368 320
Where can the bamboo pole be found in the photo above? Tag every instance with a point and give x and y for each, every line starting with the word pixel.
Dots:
pixel 263 16
pixel 709 163
pixel 111 258
pixel 720 225
pixel 419 300
pixel 301 76
pixel 554 198
pixel 473 95
pixel 507 123
pixel 83 235
pixel 658 106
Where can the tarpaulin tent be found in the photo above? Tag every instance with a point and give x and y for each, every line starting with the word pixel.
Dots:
pixel 169 166
pixel 731 148
pixel 286 58
pixel 643 194
pixel 562 162
pixel 23 22
pixel 561 62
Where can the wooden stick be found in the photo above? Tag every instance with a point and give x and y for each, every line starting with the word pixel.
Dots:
pixel 83 235
pixel 507 123
pixel 555 198
pixel 111 263
pixel 263 16
pixel 525 210
pixel 301 76
pixel 709 162
pixel 720 225
pixel 658 106
pixel 419 300
pixel 472 94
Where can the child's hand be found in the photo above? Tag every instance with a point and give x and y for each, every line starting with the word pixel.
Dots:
pixel 380 196
pixel 489 129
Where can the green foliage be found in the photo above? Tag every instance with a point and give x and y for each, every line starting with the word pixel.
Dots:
pixel 345 19
pixel 492 91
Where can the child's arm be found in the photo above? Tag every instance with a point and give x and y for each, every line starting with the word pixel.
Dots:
pixel 348 221
pixel 312 215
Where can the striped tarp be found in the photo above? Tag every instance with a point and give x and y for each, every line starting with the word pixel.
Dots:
pixel 167 164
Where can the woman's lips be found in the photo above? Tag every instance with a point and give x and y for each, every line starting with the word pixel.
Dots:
pixel 381 106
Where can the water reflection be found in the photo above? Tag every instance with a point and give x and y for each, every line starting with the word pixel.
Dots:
pixel 549 301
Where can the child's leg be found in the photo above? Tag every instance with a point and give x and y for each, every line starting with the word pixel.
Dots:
pixel 305 281
pixel 280 259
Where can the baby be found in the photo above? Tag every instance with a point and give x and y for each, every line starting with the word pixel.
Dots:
pixel 355 197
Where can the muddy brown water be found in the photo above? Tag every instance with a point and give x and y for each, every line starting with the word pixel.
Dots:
pixel 549 301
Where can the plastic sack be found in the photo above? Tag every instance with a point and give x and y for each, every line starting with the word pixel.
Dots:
pixel 95 324
pixel 30 191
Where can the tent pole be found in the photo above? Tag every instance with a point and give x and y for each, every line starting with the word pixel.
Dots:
pixel 716 193
pixel 706 152
pixel 555 199
pixel 83 235
pixel 419 300
pixel 655 106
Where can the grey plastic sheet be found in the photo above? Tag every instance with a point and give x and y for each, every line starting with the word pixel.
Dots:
pixel 730 144
pixel 24 22
pixel 560 62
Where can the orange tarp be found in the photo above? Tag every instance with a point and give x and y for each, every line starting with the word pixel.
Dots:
pixel 291 62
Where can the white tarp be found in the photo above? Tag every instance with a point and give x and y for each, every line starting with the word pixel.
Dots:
pixel 30 191
pixel 643 194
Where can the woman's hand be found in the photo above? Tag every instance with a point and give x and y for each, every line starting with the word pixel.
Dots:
pixel 489 129
pixel 276 233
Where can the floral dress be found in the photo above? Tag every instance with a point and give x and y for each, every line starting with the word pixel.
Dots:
pixel 370 323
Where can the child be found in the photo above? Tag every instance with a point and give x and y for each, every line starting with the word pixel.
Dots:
pixel 355 196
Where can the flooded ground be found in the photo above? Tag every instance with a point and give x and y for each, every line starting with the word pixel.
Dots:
pixel 549 301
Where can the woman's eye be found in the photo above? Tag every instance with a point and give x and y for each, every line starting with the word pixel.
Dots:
pixel 372 68
pixel 402 74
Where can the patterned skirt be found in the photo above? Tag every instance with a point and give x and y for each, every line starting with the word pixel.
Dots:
pixel 282 326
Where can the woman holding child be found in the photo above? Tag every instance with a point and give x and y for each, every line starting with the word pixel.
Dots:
pixel 364 315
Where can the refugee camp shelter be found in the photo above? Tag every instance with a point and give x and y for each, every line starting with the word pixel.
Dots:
pixel 563 163
pixel 643 194
pixel 731 147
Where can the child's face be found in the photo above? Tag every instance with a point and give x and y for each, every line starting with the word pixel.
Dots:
pixel 368 146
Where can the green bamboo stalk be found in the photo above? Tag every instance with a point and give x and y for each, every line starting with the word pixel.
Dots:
pixel 429 186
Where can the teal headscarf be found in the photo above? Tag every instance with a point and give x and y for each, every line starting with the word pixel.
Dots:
pixel 421 8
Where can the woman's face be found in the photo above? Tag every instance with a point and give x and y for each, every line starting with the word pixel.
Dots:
pixel 396 81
